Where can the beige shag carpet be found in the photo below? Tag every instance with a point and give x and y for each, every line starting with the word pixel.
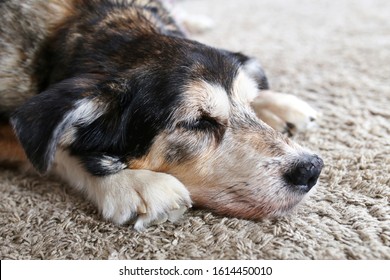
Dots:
pixel 334 54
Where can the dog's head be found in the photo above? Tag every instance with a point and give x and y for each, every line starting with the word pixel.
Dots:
pixel 183 109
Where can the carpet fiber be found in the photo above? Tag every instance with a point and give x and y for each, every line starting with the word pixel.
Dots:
pixel 335 55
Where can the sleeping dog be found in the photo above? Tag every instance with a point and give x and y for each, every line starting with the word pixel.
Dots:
pixel 115 99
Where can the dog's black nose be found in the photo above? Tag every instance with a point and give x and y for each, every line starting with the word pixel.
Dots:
pixel 305 173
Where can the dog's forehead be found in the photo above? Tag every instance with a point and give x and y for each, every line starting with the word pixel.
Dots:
pixel 207 97
pixel 215 99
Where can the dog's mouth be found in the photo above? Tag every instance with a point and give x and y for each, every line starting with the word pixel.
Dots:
pixel 246 205
pixel 250 207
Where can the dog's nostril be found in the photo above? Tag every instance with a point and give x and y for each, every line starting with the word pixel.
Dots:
pixel 305 174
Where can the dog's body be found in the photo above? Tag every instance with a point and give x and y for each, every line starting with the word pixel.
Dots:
pixel 113 97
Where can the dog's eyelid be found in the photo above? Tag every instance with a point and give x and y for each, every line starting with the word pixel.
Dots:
pixel 202 122
pixel 208 117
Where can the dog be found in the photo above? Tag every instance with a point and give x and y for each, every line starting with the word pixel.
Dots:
pixel 113 97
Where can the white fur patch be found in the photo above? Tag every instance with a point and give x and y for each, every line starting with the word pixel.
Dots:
pixel 252 67
pixel 85 112
pixel 244 88
pixel 218 101
pixel 107 163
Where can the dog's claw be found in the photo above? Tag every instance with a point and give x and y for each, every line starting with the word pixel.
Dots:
pixel 175 215
pixel 175 206
pixel 141 209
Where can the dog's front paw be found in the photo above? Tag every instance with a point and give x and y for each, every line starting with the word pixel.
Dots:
pixel 144 196
pixel 284 112
pixel 165 197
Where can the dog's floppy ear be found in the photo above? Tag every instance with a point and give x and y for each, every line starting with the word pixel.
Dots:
pixel 253 68
pixel 42 121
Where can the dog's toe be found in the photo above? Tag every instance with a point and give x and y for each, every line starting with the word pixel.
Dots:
pixel 145 220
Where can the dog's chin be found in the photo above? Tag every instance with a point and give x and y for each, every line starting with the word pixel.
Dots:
pixel 251 207
pixel 291 203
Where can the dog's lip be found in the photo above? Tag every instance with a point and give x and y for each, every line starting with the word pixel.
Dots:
pixel 301 189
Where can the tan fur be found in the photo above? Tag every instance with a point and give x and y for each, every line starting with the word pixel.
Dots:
pixel 10 149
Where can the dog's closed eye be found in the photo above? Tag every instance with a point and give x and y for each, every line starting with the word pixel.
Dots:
pixel 205 125
pixel 202 123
